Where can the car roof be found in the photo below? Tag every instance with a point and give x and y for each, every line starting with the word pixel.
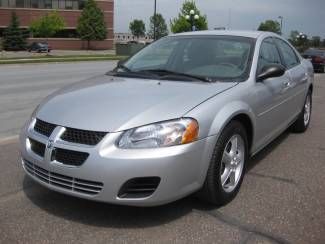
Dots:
pixel 315 50
pixel 250 34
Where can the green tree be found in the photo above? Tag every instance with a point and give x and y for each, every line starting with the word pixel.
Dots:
pixel 14 38
pixel 323 43
pixel 181 24
pixel 48 25
pixel 315 41
pixel 137 28
pixel 161 26
pixel 270 25
pixel 91 24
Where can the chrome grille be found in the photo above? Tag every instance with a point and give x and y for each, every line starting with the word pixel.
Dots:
pixel 69 157
pixel 83 136
pixel 63 181
pixel 37 147
pixel 44 128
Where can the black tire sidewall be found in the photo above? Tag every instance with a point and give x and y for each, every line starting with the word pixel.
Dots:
pixel 311 109
pixel 218 194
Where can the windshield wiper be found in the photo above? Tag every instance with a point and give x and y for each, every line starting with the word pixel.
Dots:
pixel 126 72
pixel 122 66
pixel 165 73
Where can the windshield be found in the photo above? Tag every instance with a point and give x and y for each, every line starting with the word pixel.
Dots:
pixel 213 57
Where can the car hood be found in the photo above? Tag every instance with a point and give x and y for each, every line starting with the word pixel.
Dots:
pixel 114 104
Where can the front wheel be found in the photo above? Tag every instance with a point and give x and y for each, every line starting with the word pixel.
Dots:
pixel 227 166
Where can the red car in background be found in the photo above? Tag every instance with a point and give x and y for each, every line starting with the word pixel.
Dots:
pixel 317 58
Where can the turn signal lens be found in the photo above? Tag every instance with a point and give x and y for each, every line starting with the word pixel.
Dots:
pixel 191 133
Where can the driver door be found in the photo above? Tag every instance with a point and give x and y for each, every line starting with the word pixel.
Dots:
pixel 271 96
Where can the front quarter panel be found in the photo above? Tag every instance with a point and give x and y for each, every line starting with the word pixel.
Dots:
pixel 216 113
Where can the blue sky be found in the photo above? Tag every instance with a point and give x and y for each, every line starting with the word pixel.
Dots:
pixel 307 16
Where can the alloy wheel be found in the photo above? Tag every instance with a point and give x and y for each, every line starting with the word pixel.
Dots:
pixel 232 163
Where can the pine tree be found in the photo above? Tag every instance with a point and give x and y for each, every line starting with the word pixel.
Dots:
pixel 91 24
pixel 14 38
pixel 161 27
pixel 137 28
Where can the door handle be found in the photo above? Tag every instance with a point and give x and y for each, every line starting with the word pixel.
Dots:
pixel 286 84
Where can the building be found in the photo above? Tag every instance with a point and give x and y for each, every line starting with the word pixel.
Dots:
pixel 127 37
pixel 70 10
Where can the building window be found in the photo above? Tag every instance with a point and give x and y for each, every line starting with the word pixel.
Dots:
pixel 4 3
pixel 34 3
pixel 55 4
pixel 68 4
pixel 20 4
pixel 48 4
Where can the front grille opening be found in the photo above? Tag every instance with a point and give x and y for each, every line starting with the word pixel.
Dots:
pixel 86 137
pixel 44 128
pixel 69 157
pixel 139 187
pixel 62 181
pixel 37 147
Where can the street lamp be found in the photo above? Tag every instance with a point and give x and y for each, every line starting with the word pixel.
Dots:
pixel 281 24
pixel 192 17
pixel 302 41
pixel 301 36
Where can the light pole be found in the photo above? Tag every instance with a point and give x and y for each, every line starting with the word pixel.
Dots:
pixel 302 41
pixel 154 21
pixel 192 17
pixel 281 24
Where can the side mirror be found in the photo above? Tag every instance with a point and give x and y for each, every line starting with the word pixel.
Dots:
pixel 121 62
pixel 271 71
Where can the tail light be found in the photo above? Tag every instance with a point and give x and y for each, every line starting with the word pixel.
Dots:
pixel 318 60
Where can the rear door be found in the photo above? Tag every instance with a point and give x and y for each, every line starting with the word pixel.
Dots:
pixel 296 90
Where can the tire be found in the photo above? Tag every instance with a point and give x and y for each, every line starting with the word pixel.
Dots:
pixel 302 123
pixel 213 191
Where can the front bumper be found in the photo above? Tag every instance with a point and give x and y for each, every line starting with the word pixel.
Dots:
pixel 182 169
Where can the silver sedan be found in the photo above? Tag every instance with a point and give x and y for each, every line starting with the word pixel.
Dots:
pixel 181 116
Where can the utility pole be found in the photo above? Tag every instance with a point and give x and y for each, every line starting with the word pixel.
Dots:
pixel 154 21
pixel 281 24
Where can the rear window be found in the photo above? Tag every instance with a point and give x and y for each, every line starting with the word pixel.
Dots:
pixel 314 52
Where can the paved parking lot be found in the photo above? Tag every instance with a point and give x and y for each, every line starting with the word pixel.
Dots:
pixel 282 200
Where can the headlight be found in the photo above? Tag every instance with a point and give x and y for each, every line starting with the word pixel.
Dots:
pixel 164 134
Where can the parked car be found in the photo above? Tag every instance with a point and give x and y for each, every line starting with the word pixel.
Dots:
pixel 317 58
pixel 39 47
pixel 183 115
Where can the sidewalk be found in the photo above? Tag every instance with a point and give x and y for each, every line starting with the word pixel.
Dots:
pixel 60 53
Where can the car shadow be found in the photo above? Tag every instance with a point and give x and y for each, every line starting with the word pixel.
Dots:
pixel 114 216
pixel 267 150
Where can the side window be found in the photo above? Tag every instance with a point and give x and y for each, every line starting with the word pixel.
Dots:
pixel 289 55
pixel 268 54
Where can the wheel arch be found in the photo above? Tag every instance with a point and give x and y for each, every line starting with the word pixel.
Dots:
pixel 240 112
pixel 311 88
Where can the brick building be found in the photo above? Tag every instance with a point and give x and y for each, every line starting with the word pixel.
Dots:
pixel 70 10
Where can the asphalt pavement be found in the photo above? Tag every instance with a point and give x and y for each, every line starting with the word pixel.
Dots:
pixel 22 87
pixel 282 199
